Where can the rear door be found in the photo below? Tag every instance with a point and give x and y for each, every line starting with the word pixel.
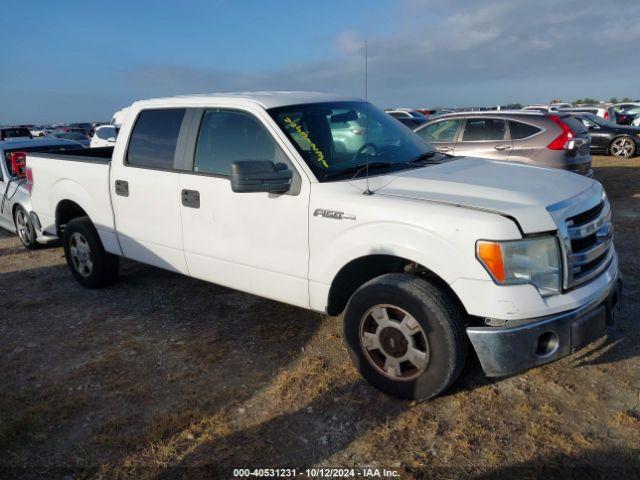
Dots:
pixel 525 140
pixel 442 134
pixel 484 137
pixel 145 190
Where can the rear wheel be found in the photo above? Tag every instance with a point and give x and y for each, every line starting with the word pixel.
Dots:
pixel 623 147
pixel 405 336
pixel 24 228
pixel 90 264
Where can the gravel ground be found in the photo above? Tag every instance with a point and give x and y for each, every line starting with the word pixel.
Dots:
pixel 163 376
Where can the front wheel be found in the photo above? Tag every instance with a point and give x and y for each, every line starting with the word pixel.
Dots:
pixel 623 147
pixel 91 265
pixel 405 336
pixel 24 228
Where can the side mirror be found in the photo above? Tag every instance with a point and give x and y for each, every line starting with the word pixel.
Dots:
pixel 260 176
pixel 111 139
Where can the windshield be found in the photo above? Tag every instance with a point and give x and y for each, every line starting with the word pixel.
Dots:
pixel 337 139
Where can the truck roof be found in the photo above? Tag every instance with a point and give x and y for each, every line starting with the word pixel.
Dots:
pixel 266 99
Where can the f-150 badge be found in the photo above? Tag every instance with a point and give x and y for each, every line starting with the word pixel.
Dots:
pixel 321 212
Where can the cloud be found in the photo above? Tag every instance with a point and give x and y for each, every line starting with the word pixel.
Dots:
pixel 455 52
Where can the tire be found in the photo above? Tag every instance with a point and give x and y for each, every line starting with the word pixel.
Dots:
pixel 432 314
pixel 622 147
pixel 87 259
pixel 25 229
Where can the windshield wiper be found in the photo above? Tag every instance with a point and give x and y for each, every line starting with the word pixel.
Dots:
pixel 359 168
pixel 426 156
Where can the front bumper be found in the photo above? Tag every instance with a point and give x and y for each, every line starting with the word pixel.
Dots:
pixel 507 350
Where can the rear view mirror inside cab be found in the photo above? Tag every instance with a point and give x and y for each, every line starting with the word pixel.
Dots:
pixel 344 117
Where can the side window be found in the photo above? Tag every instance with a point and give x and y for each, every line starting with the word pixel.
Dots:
pixel 227 136
pixel 521 130
pixel 442 131
pixel 154 137
pixel 479 129
pixel 587 123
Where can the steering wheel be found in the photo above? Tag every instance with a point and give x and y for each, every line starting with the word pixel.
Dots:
pixel 363 148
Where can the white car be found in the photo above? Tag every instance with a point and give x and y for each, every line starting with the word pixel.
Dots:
pixel 608 113
pixel 15 202
pixel 38 131
pixel 104 136
pixel 550 107
pixel 422 252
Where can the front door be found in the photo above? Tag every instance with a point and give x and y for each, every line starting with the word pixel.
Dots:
pixel 484 138
pixel 146 192
pixel 255 242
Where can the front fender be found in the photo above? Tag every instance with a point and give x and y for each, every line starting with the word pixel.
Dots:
pixel 444 244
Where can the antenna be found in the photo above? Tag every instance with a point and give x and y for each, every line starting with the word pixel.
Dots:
pixel 366 112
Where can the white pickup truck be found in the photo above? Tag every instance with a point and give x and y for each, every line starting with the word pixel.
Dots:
pixel 329 204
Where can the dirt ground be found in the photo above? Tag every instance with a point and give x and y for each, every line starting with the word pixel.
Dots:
pixel 163 376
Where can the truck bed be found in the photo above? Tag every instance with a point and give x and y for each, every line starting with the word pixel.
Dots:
pixel 91 155
pixel 68 180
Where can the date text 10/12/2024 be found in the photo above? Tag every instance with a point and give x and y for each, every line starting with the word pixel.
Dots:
pixel 363 472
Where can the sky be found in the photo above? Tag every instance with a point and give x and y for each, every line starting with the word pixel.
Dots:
pixel 82 60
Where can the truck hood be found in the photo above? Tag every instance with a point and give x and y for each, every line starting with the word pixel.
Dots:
pixel 515 190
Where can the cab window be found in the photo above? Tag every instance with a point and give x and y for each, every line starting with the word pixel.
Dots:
pixel 227 136
pixel 154 138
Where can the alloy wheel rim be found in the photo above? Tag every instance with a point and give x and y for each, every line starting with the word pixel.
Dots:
pixel 80 253
pixel 622 147
pixel 23 227
pixel 393 342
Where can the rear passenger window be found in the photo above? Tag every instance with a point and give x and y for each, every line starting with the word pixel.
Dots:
pixel 227 136
pixel 521 130
pixel 479 129
pixel 154 137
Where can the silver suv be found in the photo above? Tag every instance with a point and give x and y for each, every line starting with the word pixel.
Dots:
pixel 545 139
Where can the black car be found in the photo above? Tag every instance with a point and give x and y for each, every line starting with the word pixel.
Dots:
pixel 610 138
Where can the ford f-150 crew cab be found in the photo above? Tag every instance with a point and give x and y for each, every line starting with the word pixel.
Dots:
pixel 329 204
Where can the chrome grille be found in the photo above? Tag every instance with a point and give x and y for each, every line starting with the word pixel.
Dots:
pixel 586 235
pixel 588 244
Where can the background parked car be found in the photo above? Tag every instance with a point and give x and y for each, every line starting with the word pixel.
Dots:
pixel 15 133
pixel 104 136
pixel 38 131
pixel 547 107
pixel 608 113
pixel 85 126
pixel 538 138
pixel 404 113
pixel 609 138
pixel 78 136
pixel 15 203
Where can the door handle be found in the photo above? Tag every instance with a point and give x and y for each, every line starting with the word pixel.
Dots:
pixel 503 147
pixel 444 149
pixel 191 198
pixel 122 188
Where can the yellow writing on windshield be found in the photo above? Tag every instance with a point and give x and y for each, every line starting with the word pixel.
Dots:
pixel 318 153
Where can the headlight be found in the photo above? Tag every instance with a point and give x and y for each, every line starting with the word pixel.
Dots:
pixel 531 260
